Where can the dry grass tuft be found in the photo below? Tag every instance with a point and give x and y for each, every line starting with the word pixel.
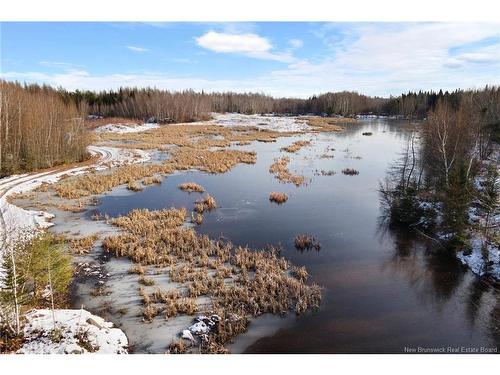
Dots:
pixel 206 204
pixel 83 245
pixel 280 170
pixel 304 242
pixel 137 269
pixel 134 186
pixel 191 187
pixel 278 197
pixel 327 124
pixel 295 146
pixel 350 172
pixel 196 218
pixel 145 281
pixel 151 180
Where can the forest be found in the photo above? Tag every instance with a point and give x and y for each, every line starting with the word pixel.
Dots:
pixel 41 126
pixel 448 170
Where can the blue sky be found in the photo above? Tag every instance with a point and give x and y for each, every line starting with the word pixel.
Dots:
pixel 278 58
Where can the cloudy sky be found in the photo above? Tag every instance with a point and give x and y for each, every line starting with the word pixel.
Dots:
pixel 280 59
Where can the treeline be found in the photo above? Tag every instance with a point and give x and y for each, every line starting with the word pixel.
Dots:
pixel 41 126
pixel 38 129
pixel 154 104
pixel 185 106
pixel 449 165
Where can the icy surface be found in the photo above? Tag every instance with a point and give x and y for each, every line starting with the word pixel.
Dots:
pixel 80 332
pixel 269 122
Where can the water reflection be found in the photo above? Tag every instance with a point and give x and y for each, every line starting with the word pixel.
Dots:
pixel 383 288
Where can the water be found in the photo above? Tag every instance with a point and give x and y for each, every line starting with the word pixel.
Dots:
pixel 383 290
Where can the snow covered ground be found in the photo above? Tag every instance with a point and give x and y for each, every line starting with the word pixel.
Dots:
pixel 15 221
pixel 78 331
pixel 475 260
pixel 269 122
pixel 125 128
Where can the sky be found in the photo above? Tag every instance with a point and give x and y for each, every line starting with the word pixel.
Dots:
pixel 275 58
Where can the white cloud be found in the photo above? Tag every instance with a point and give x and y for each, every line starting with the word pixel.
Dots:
pixel 378 60
pixel 233 43
pixel 248 44
pixel 295 43
pixel 137 49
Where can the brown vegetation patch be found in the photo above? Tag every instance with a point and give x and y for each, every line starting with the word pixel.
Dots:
pixel 280 170
pixel 183 159
pixel 206 204
pixel 83 245
pixel 295 146
pixel 151 180
pixel 327 124
pixel 134 186
pixel 191 187
pixel 261 281
pixel 350 172
pixel 278 197
pixel 305 242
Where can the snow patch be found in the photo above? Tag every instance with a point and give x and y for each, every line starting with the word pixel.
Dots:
pixel 78 331
pixel 475 260
pixel 264 122
pixel 125 128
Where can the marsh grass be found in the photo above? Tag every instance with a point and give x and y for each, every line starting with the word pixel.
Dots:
pixel 82 245
pixel 295 146
pixel 191 187
pixel 279 198
pixel 196 218
pixel 134 186
pixel 280 171
pixel 350 172
pixel 305 242
pixel 151 180
pixel 208 203
pixel 219 161
pixel 327 124
pixel 242 282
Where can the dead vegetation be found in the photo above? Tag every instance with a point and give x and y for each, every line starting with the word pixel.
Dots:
pixel 350 172
pixel 280 170
pixel 242 282
pixel 97 183
pixel 295 146
pixel 151 180
pixel 191 187
pixel 323 172
pixel 278 197
pixel 327 124
pixel 82 245
pixel 305 242
pixel 134 186
pixel 208 203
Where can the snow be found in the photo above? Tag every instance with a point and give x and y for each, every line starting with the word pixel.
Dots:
pixel 81 332
pixel 16 221
pixel 475 260
pixel 264 122
pixel 186 334
pixel 199 328
pixel 125 128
